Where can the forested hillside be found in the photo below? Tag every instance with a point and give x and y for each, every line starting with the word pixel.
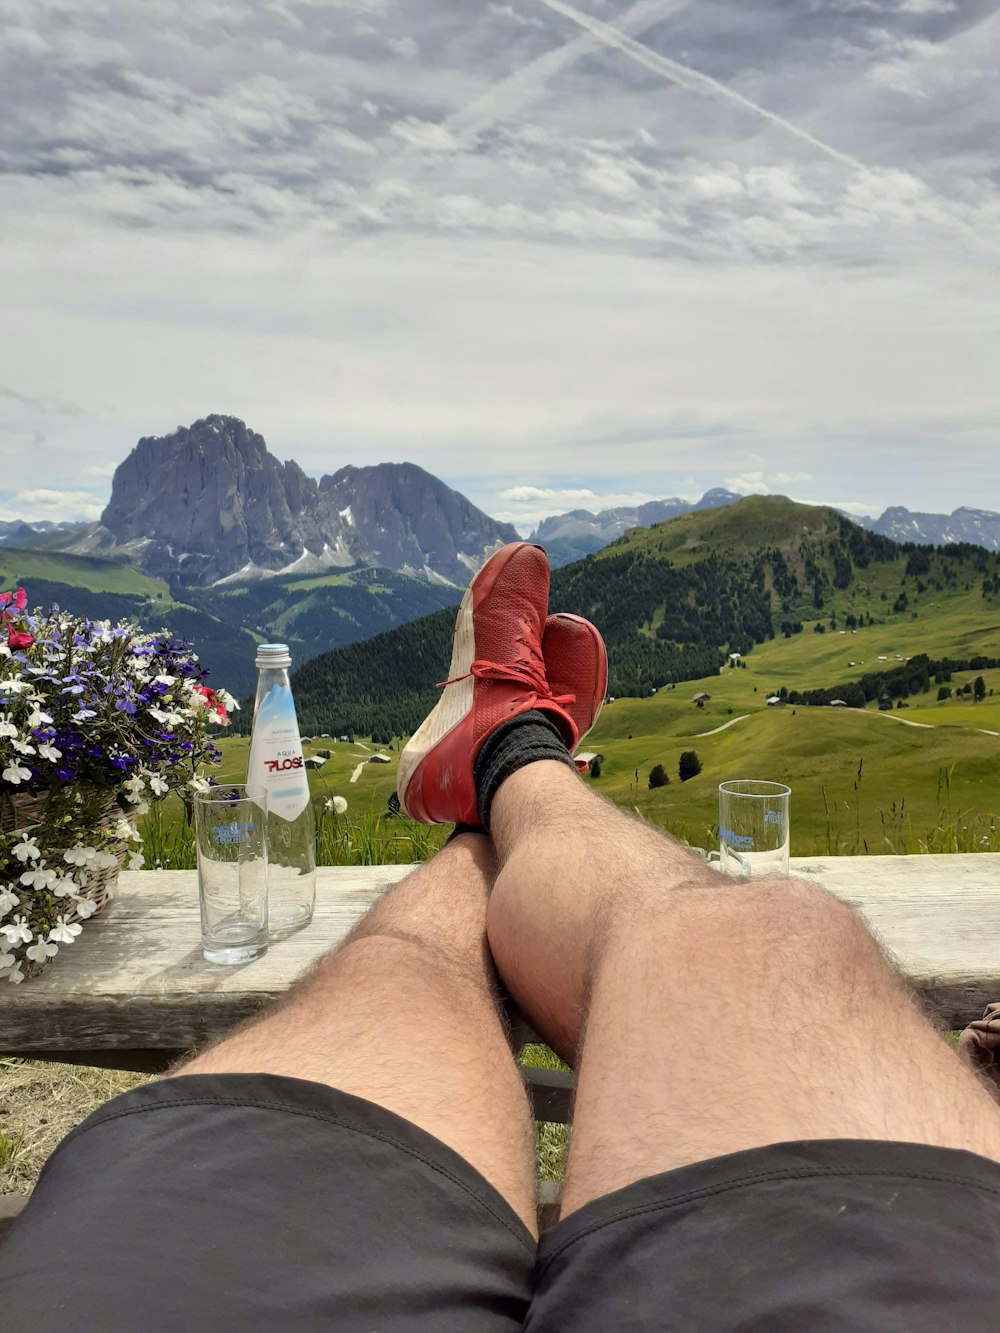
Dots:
pixel 672 602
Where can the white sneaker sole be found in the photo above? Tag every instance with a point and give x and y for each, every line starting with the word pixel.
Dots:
pixel 454 705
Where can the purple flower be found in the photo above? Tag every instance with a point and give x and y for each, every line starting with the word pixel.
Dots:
pixel 65 774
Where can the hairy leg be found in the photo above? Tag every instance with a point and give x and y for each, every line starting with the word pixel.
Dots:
pixel 704 1017
pixel 405 1013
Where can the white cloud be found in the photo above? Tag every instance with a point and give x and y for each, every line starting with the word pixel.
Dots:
pixel 54 505
pixel 565 497
pixel 927 6
pixel 463 234
pixel 751 483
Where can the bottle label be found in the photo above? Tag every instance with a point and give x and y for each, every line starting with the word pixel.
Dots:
pixel 276 755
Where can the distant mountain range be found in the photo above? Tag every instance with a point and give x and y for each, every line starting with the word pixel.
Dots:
pixel 571 536
pixel 210 503
pixel 980 527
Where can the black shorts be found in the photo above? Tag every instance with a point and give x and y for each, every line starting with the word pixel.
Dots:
pixel 250 1202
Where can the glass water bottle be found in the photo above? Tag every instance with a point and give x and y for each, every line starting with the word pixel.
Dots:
pixel 276 762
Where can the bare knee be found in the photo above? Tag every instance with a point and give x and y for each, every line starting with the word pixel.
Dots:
pixel 779 924
pixel 408 960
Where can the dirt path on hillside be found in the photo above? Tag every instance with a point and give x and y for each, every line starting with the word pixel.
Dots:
pixel 696 736
pixel 930 726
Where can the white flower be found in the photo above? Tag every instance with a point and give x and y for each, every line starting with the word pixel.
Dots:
pixel 136 861
pixel 82 714
pixel 6 960
pixel 26 849
pixel 17 931
pixel 227 700
pixel 39 878
pixel 157 785
pixel 133 788
pixel 48 751
pixel 164 680
pixel 7 728
pixel 104 861
pixel 79 855
pixel 199 784
pixel 14 685
pixel 41 950
pixel 23 747
pixel 84 908
pixel 15 976
pixel 8 900
pixel 159 714
pixel 16 773
pixel 65 931
pixel 63 886
pixel 38 718
pixel 335 805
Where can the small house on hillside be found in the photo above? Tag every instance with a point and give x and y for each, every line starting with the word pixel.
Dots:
pixel 776 701
pixel 315 760
pixel 838 703
pixel 379 759
pixel 701 698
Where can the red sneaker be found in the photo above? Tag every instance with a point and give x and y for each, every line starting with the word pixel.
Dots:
pixel 497 672
pixel 576 663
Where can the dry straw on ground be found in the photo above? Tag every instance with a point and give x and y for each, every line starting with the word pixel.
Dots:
pixel 39 1104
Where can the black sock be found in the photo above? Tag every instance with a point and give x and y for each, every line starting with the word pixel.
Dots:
pixel 523 740
pixel 459 829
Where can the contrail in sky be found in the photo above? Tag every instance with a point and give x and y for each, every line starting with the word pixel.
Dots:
pixel 689 78
pixel 518 90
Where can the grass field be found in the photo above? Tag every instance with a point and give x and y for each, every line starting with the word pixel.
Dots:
pixel 80 571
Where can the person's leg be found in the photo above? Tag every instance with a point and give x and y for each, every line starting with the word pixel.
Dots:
pixel 405 1013
pixel 705 1017
pixel 322 1168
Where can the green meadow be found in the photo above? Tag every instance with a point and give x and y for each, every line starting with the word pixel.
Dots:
pixel 924 777
pixel 79 571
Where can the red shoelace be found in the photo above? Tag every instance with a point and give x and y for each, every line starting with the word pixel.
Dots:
pixel 528 675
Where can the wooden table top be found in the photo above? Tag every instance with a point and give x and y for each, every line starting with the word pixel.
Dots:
pixel 136 979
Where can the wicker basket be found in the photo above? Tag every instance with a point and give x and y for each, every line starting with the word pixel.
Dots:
pixel 23 811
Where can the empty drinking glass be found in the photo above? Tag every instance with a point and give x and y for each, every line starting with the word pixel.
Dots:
pixel 753 828
pixel 231 835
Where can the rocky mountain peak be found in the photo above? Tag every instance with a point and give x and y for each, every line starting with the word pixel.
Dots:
pixel 209 502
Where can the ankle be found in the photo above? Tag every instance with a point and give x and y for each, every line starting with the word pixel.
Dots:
pixel 530 739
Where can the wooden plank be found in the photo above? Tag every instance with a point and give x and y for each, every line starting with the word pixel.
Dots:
pixel 550 1092
pixel 137 979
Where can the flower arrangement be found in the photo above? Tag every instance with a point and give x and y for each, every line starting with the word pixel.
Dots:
pixel 95 720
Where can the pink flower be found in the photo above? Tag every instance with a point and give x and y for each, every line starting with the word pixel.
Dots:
pixel 18 639
pixel 212 702
pixel 14 601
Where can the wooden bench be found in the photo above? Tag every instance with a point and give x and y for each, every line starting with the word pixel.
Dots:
pixel 135 992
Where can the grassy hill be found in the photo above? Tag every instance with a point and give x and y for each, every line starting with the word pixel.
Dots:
pixel 922 776
pixel 672 601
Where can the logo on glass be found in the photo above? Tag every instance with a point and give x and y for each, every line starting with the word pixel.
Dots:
pixel 239 830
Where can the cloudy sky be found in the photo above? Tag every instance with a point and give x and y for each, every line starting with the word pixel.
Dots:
pixel 561 255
